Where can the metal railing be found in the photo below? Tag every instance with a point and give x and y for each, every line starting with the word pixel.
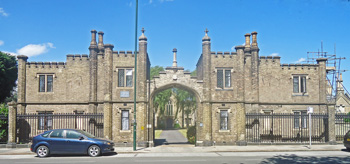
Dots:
pixel 286 128
pixel 342 125
pixel 30 125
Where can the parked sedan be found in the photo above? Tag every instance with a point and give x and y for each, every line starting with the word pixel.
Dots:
pixel 70 141
pixel 347 140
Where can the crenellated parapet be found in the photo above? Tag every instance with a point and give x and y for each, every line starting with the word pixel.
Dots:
pixel 46 64
pixel 127 54
pixel 299 66
pixel 274 60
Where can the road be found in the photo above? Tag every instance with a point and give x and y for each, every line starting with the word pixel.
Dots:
pixel 323 157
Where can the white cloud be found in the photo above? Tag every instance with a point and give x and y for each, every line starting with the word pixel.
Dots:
pixel 129 4
pixel 35 49
pixel 3 13
pixel 150 1
pixel 1 42
pixel 11 53
pixel 232 48
pixel 161 1
pixel 300 60
pixel 274 54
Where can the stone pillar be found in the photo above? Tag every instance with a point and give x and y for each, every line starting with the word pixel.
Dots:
pixel 247 41
pixel 93 74
pixel 11 143
pixel 331 124
pixel 174 60
pixel 21 94
pixel 241 125
pixel 107 109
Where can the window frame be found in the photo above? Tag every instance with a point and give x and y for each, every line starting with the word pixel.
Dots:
pixel 122 123
pixel 224 119
pixel 299 83
pixel 123 79
pixel 45 120
pixel 46 85
pixel 226 74
pixel 300 120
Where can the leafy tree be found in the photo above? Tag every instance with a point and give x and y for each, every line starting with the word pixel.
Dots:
pixel 194 73
pixel 8 75
pixel 3 123
pixel 155 71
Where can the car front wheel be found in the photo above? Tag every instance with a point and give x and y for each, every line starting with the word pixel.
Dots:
pixel 42 151
pixel 94 151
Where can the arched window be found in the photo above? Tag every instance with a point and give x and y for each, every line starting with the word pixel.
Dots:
pixel 169 109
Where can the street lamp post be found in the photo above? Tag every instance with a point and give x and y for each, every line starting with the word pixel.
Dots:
pixel 134 134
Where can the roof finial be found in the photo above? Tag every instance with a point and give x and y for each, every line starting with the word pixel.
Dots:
pixel 206 37
pixel 206 31
pixel 143 30
pixel 143 37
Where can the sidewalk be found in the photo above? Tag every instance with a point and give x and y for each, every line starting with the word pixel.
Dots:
pixel 191 149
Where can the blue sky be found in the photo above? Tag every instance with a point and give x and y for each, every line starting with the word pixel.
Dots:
pixel 48 30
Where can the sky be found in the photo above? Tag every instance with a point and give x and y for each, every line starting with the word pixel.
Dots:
pixel 48 30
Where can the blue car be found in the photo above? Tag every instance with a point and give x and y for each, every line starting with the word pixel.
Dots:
pixel 70 141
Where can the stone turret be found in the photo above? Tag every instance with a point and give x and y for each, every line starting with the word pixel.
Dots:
pixel 174 59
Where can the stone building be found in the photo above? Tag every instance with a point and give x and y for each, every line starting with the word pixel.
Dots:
pixel 228 85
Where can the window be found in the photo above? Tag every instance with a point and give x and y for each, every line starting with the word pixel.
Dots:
pixel 299 84
pixel 125 77
pixel 125 119
pixel 57 134
pixel 300 117
pixel 45 83
pixel 72 134
pixel 223 119
pixel 45 121
pixel 224 78
pixel 169 109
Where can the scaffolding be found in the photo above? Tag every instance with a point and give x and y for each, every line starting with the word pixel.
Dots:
pixel 333 69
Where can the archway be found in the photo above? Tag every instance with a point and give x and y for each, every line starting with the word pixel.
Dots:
pixel 174 122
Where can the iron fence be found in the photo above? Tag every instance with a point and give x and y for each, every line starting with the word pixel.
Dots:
pixel 3 128
pixel 286 128
pixel 342 125
pixel 30 125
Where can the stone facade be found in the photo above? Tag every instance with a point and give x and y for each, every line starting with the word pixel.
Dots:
pixel 228 85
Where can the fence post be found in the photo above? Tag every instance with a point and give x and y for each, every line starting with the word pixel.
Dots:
pixel 11 143
pixel 331 124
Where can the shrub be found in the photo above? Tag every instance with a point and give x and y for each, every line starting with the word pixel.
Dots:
pixel 177 126
pixel 191 134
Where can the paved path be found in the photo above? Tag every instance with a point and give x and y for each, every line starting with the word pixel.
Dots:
pixel 171 137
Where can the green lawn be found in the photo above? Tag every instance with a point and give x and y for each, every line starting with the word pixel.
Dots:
pixel 183 132
pixel 157 134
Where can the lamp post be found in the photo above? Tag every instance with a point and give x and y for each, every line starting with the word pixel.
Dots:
pixel 134 134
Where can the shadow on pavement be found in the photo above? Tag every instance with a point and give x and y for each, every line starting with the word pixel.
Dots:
pixel 289 159
pixel 80 155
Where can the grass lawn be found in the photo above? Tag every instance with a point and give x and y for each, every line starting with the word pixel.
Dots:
pixel 183 132
pixel 157 134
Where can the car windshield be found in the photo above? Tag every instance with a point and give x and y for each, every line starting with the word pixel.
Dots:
pixel 86 134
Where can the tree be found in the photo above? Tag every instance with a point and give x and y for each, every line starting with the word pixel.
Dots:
pixel 8 75
pixel 3 123
pixel 155 71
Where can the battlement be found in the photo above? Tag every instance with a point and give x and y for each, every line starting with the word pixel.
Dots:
pixel 299 66
pixel 71 57
pixel 223 53
pixel 124 53
pixel 46 64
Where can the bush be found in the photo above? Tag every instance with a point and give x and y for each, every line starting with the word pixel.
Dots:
pixel 177 126
pixel 191 134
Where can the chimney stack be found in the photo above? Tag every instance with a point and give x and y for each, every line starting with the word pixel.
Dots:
pixel 254 42
pixel 93 37
pixel 247 40
pixel 100 40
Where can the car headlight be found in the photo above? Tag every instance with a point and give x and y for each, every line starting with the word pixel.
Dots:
pixel 107 143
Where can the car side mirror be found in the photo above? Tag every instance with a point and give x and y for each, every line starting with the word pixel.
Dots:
pixel 81 138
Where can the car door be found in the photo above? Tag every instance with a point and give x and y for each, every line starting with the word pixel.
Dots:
pixel 75 142
pixel 56 141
